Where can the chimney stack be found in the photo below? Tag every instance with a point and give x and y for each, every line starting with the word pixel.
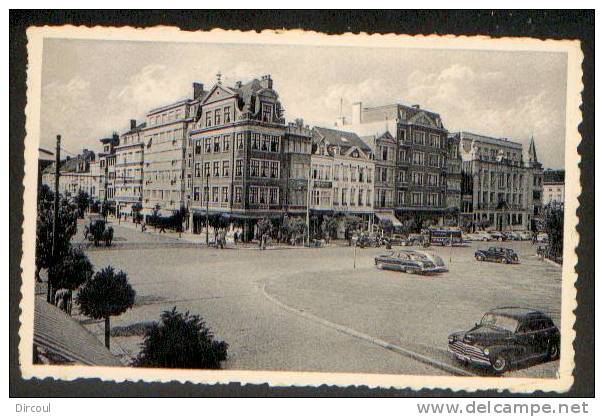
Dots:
pixel 238 84
pixel 356 113
pixel 197 90
pixel 132 124
pixel 266 81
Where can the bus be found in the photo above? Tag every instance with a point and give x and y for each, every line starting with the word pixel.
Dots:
pixel 444 237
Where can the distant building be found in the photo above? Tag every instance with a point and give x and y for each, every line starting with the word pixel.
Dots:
pixel 454 180
pixel 74 175
pixel 45 158
pixel 236 164
pixel 421 153
pixel 106 160
pixel 297 148
pixel 342 175
pixel 553 186
pixel 128 182
pixel 168 155
pixel 500 189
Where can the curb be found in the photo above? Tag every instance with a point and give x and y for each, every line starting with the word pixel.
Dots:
pixel 376 341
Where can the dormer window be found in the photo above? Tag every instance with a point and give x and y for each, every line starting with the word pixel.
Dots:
pixel 267 112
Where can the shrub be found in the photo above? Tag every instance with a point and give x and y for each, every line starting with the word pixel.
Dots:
pixel 181 341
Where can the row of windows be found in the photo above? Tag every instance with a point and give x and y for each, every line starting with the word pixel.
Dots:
pixel 218 116
pixel 421 178
pixel 166 117
pixel 216 144
pixel 257 195
pixel 419 137
pixel 163 137
pixel 341 172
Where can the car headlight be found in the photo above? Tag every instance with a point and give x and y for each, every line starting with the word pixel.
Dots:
pixel 486 351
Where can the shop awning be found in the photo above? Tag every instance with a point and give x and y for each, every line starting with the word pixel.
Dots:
pixel 387 216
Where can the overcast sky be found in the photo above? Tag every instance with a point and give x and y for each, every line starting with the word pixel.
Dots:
pixel 91 88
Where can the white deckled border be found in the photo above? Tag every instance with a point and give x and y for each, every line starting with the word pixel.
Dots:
pixel 36 36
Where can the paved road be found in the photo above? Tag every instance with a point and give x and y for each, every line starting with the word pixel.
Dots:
pixel 226 288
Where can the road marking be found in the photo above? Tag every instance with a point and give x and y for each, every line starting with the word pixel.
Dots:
pixel 376 341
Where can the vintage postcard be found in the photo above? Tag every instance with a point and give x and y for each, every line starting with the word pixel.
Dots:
pixel 296 208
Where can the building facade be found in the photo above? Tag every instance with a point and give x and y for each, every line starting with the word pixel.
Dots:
pixel 167 177
pixel 236 162
pixel 74 175
pixel 128 180
pixel 421 153
pixel 342 175
pixel 297 148
pixel 454 181
pixel 553 187
pixel 501 189
pixel 106 188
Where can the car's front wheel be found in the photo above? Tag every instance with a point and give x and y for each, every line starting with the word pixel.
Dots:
pixel 553 350
pixel 500 364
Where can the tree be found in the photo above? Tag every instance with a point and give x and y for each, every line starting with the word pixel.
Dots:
pixel 66 229
pixel 82 201
pixel 329 227
pixel 45 196
pixel 73 270
pixel 181 341
pixel 104 295
pixel 265 227
pixel 554 227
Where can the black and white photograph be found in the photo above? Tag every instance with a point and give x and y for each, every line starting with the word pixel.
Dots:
pixel 299 208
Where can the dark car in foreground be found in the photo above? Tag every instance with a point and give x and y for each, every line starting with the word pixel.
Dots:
pixel 411 261
pixel 507 336
pixel 497 254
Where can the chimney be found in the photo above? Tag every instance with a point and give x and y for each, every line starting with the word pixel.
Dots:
pixel 266 81
pixel 238 84
pixel 299 122
pixel 356 113
pixel 132 124
pixel 197 90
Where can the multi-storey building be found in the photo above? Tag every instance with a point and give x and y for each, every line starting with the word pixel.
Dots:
pixel 106 186
pixel 237 156
pixel 167 179
pixel 504 190
pixel 454 180
pixel 342 174
pixel 297 147
pixel 535 186
pixel 74 175
pixel 45 159
pixel 553 187
pixel 421 154
pixel 128 182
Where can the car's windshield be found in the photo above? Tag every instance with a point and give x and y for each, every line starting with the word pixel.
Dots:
pixel 500 322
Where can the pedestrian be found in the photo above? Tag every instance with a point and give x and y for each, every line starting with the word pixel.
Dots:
pixel 143 227
pixel 534 238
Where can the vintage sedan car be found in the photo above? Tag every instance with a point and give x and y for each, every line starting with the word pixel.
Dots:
pixel 507 336
pixel 495 235
pixel 524 235
pixel 497 254
pixel 511 235
pixel 411 261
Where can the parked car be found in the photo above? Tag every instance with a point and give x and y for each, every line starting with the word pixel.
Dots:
pixel 478 236
pixel 368 241
pixel 495 235
pixel 507 336
pixel 414 239
pixel 497 254
pixel 411 261
pixel 512 236
pixel 524 235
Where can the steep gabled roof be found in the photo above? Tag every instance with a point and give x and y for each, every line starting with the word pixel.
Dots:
pixel 339 138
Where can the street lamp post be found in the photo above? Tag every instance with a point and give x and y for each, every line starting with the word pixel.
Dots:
pixel 207 208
